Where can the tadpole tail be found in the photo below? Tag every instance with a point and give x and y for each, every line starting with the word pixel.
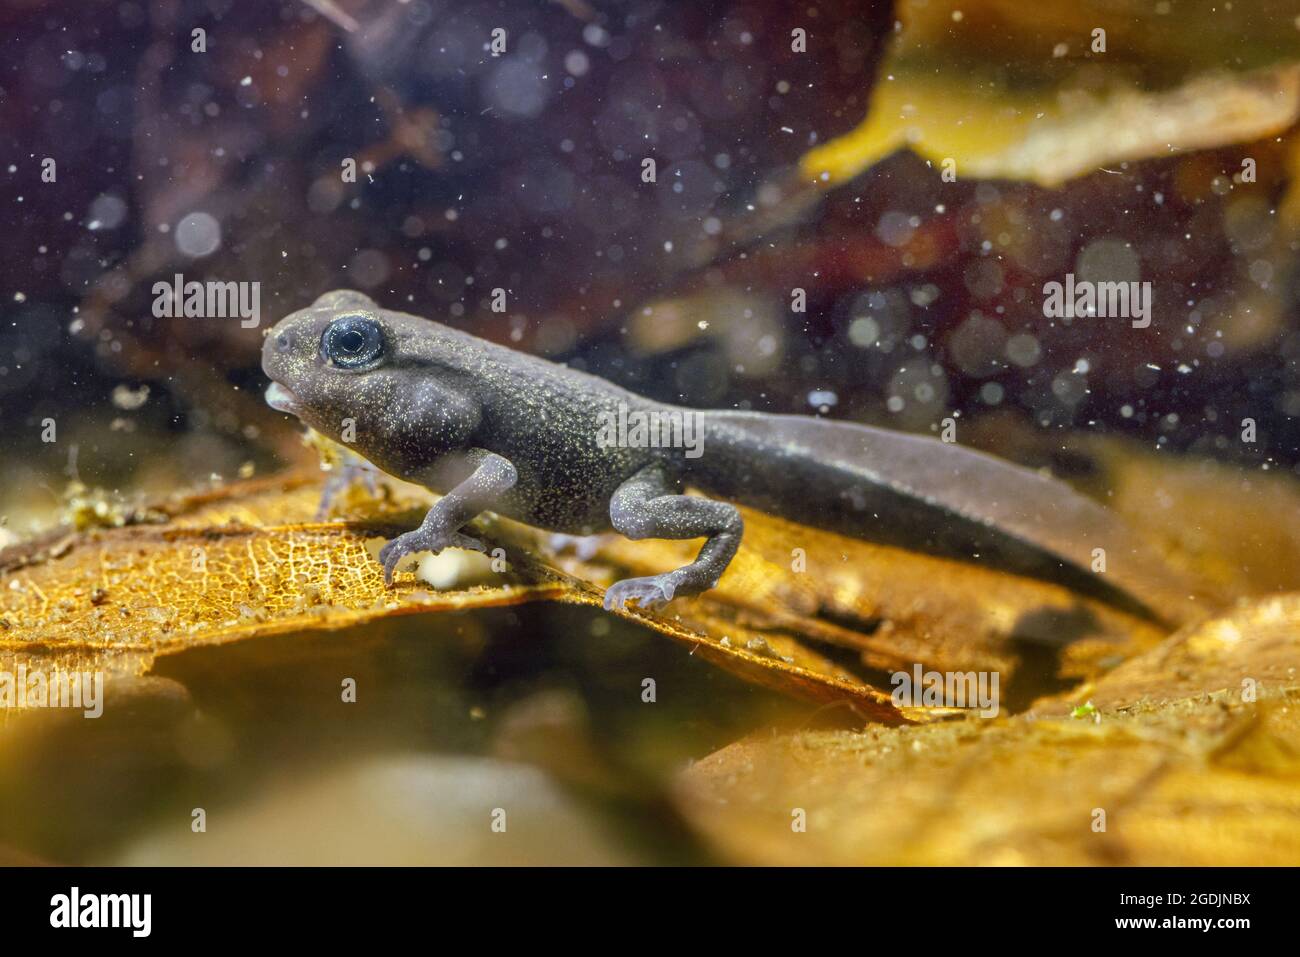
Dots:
pixel 937 497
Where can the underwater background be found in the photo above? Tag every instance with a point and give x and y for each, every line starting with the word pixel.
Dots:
pixel 851 213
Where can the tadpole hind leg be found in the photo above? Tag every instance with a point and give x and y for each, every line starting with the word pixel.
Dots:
pixel 351 469
pixel 648 506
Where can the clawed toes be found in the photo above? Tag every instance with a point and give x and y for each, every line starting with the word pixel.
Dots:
pixel 395 551
pixel 326 504
pixel 342 478
pixel 389 556
pixel 410 543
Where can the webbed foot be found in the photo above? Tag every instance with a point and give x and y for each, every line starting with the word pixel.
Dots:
pixel 423 540
pixel 651 593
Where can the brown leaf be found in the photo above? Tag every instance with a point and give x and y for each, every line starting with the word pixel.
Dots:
pixel 1233 527
pixel 1186 771
pixel 247 560
pixel 1253 650
pixel 1011 90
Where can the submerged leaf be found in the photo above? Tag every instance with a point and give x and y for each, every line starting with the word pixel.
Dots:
pixel 1248 653
pixel 245 561
pixel 803 611
pixel 800 610
pixel 1173 765
pixel 1031 92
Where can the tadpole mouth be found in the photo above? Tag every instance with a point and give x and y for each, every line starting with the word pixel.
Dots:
pixel 281 399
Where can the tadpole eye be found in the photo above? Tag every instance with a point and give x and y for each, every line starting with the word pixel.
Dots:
pixel 351 342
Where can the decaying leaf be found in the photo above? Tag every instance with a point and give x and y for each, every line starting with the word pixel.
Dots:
pixel 1004 89
pixel 1230 525
pixel 794 611
pixel 800 610
pixel 890 606
pixel 1246 654
pixel 246 561
pixel 1171 765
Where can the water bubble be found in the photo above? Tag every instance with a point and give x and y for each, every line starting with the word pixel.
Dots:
pixel 108 211
pixel 976 345
pixel 369 268
pixel 517 88
pixel 198 235
pixel 577 63
pixel 864 331
pixel 1069 388
pixel 895 228
pixel 1023 349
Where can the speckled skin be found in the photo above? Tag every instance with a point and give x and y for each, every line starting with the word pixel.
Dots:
pixel 492 428
pixel 441 391
pixel 495 429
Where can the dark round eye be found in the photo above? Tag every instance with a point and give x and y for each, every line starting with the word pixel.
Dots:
pixel 352 341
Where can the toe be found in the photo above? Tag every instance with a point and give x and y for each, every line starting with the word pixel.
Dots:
pixel 650 594
pixel 391 554
pixel 615 596
pixel 470 544
pixel 390 566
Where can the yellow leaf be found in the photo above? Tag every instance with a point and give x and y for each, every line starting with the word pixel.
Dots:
pixel 1002 89
pixel 1174 767
pixel 247 560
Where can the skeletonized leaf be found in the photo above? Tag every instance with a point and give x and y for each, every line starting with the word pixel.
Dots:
pixel 248 560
